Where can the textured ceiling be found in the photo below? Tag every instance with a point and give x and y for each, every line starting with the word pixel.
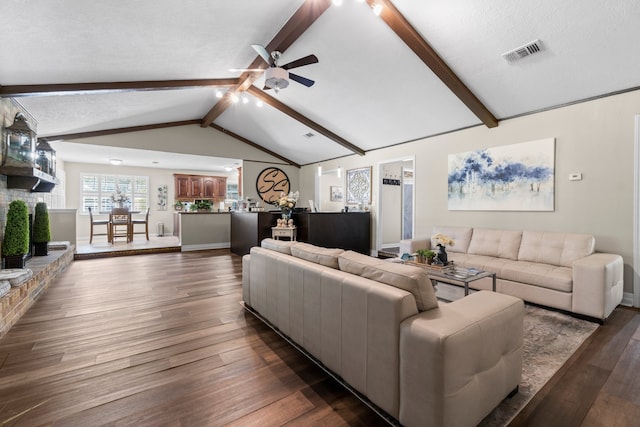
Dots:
pixel 371 89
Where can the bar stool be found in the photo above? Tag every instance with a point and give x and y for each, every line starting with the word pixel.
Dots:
pixel 120 223
pixel 97 222
pixel 140 221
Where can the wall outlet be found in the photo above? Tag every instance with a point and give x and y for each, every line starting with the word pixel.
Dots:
pixel 575 177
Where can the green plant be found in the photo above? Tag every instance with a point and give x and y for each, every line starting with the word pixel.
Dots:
pixel 178 205
pixel 203 205
pixel 16 231
pixel 41 227
pixel 427 253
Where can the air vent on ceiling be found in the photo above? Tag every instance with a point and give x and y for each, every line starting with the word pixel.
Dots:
pixel 523 51
pixel 309 135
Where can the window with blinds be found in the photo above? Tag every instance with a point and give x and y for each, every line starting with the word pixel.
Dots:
pixel 99 192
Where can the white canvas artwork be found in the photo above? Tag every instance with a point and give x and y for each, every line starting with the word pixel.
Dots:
pixel 516 177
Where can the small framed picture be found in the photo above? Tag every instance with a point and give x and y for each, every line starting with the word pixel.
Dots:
pixel 337 193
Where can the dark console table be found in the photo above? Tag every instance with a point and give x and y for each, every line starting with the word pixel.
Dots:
pixel 329 229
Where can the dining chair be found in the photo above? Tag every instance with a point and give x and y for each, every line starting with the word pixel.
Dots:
pixel 97 222
pixel 140 221
pixel 120 223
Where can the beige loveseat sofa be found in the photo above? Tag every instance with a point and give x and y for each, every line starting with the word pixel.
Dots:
pixel 378 327
pixel 559 270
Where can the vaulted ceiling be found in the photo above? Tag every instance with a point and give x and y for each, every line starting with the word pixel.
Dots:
pixel 416 69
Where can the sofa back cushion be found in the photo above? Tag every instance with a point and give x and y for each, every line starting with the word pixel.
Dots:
pixel 555 248
pixel 317 254
pixel 495 243
pixel 406 277
pixel 282 246
pixel 461 237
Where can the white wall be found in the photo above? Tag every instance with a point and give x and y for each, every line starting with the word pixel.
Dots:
pixel 594 138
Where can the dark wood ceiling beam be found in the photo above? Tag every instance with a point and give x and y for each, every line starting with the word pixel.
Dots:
pixel 94 133
pixel 301 20
pixel 71 88
pixel 398 23
pixel 303 119
pixel 253 144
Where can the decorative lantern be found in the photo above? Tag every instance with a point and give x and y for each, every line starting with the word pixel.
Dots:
pixel 20 145
pixel 46 157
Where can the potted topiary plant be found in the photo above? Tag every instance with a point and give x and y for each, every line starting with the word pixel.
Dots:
pixel 15 246
pixel 430 256
pixel 41 230
pixel 421 256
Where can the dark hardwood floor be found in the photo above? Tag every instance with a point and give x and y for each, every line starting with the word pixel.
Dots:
pixel 162 340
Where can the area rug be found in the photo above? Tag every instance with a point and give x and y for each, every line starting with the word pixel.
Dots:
pixel 550 338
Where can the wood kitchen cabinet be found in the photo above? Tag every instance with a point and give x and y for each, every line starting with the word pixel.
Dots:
pixel 191 187
pixel 183 186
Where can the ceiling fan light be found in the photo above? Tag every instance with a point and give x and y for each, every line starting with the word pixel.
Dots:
pixel 235 98
pixel 218 94
pixel 276 78
pixel 245 100
pixel 259 103
pixel 115 162
pixel 377 9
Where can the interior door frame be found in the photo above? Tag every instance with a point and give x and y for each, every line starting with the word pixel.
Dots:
pixel 379 216
pixel 636 213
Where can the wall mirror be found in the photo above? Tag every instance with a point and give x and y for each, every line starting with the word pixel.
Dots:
pixel 330 191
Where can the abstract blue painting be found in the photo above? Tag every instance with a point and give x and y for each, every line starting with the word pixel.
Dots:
pixel 517 177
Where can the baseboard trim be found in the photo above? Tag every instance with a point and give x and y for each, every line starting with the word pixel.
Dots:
pixel 627 299
pixel 204 247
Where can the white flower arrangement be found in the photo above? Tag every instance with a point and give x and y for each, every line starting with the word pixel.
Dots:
pixel 119 197
pixel 442 240
pixel 286 202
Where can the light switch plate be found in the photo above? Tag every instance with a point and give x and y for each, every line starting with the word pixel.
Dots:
pixel 575 177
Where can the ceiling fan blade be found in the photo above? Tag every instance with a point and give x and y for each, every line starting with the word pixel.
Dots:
pixel 309 59
pixel 262 52
pixel 302 80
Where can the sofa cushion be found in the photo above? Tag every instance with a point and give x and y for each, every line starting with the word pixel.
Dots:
pixel 461 237
pixel 495 243
pixel 543 275
pixel 555 248
pixel 317 254
pixel 282 246
pixel 409 278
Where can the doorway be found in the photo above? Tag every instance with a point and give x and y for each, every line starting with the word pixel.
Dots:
pixel 396 195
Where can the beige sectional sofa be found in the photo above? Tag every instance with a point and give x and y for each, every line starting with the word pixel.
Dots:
pixel 377 326
pixel 559 270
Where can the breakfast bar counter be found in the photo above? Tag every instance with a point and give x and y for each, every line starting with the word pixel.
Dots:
pixel 202 230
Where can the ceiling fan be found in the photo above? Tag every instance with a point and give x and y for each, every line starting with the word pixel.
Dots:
pixel 277 77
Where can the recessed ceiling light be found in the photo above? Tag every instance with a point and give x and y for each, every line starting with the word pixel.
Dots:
pixel 115 162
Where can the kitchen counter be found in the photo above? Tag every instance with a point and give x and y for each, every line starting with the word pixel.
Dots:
pixel 202 230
